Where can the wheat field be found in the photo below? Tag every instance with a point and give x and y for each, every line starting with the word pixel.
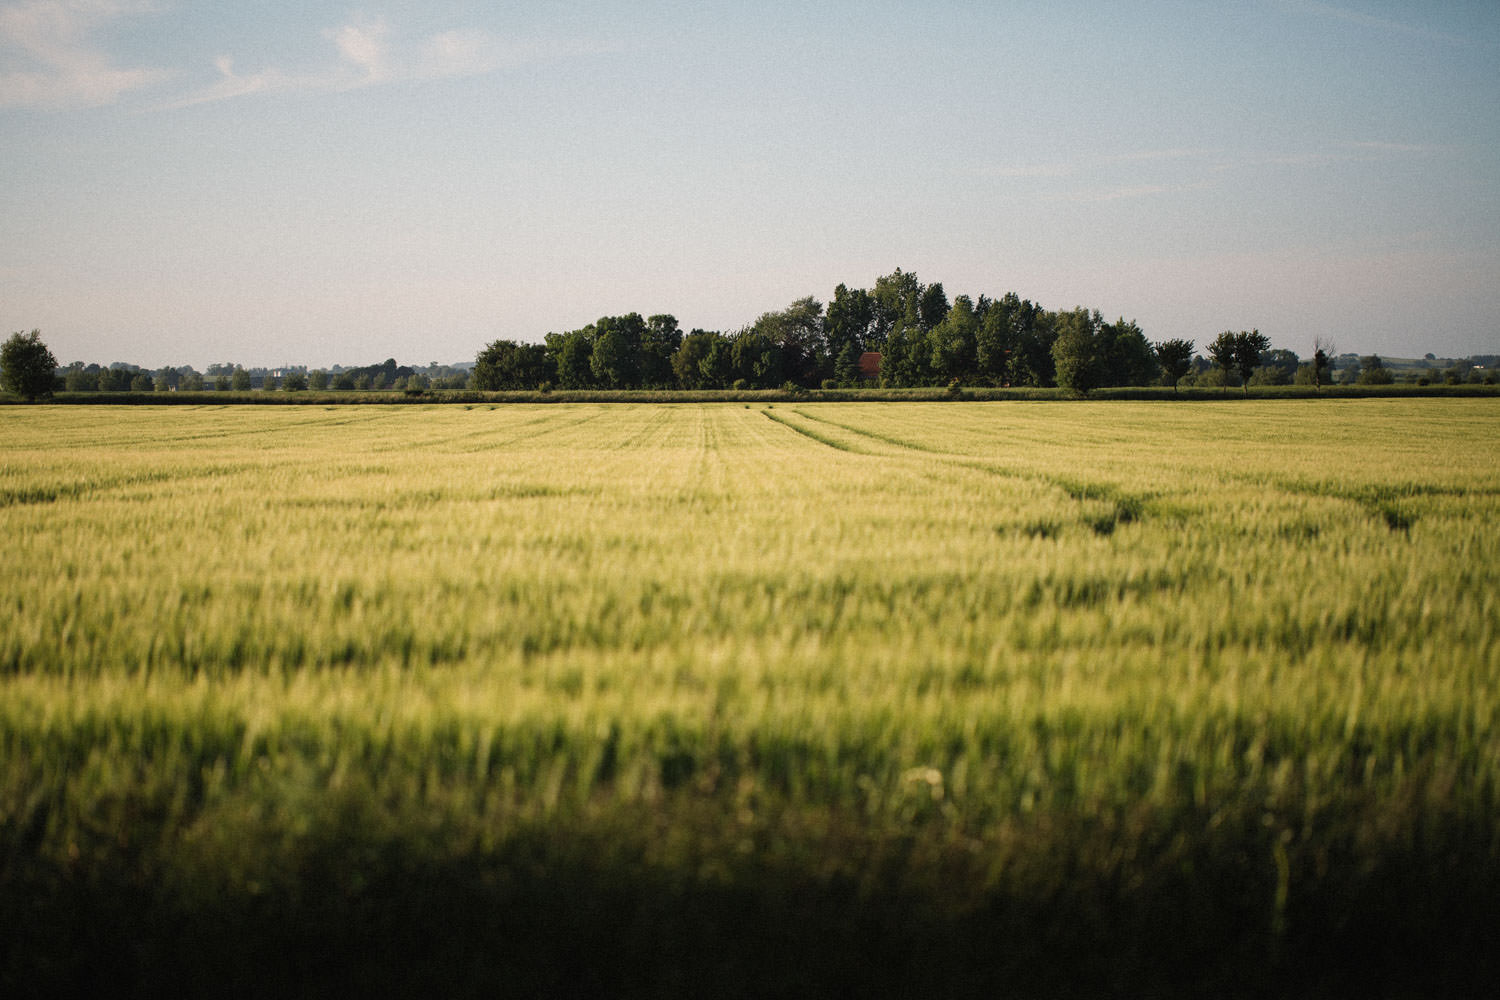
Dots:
pixel 789 698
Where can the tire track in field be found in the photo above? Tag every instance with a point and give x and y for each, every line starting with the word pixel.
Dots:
pixel 813 435
pixel 1121 507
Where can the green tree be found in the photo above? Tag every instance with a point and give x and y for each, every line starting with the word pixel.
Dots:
pixel 79 379
pixel 27 366
pixel 571 353
pixel 1175 359
pixel 1322 363
pixel 1077 352
pixel 191 382
pixel 895 297
pixel 1374 372
pixel 756 359
pixel 694 361
pixel 797 332
pixel 294 382
pixel 1126 354
pixel 1222 352
pixel 1248 348
pixel 505 364
pixel 141 382
pixel 240 380
pixel 846 365
pixel 848 320
pixel 221 383
pixel 616 358
pixel 955 344
pixel 659 343
pixel 317 380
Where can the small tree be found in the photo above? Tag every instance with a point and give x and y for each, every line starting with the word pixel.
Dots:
pixel 317 380
pixel 1322 363
pixel 27 366
pixel 294 382
pixel 1175 358
pixel 1222 351
pixel 1248 348
pixel 240 380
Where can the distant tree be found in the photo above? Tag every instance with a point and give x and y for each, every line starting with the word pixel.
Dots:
pixel 221 383
pixel 846 365
pixel 142 382
pixel 932 306
pixel 756 359
pixel 659 343
pixel 1222 350
pixel 616 358
pixel 1125 353
pixel 906 357
pixel 1175 359
pixel 239 381
pixel 1077 351
pixel 571 354
pixel 1322 362
pixel 343 382
pixel 894 296
pixel 955 344
pixel 317 380
pixel 1374 372
pixel 1284 361
pixel 505 364
pixel 797 333
pixel 1248 348
pixel 294 382
pixel 848 320
pixel 191 382
pixel 77 378
pixel 691 361
pixel 27 367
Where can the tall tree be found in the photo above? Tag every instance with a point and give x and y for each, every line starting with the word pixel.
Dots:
pixel 1248 348
pixel 571 354
pixel 27 366
pixel 1175 359
pixel 1077 352
pixel 616 360
pixel 797 331
pixel 688 360
pixel 1126 354
pixel 1222 350
pixel 955 344
pixel 506 364
pixel 659 342
pixel 848 320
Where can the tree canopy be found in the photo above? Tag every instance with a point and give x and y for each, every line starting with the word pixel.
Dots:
pixel 27 367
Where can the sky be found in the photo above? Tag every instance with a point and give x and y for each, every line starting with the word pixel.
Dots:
pixel 314 183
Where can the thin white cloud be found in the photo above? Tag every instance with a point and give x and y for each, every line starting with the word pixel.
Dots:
pixel 364 48
pixel 370 53
pixel 64 68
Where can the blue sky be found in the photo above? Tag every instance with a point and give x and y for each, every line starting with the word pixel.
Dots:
pixel 315 183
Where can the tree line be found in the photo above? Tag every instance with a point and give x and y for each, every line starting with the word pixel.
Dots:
pixel 922 339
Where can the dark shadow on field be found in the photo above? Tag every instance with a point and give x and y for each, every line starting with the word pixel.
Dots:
pixel 549 913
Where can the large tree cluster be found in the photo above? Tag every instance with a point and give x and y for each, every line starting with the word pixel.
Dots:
pixel 922 338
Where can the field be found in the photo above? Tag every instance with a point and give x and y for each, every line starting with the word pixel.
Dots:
pixel 745 699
